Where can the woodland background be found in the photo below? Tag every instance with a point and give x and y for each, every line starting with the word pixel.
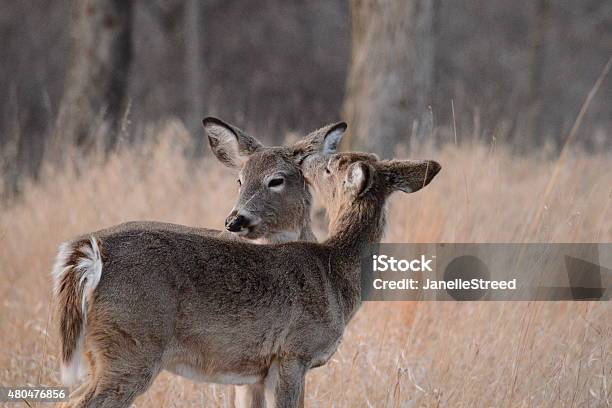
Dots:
pixel 517 71
pixel 100 123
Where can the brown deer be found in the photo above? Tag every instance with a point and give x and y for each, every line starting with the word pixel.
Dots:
pixel 141 298
pixel 274 202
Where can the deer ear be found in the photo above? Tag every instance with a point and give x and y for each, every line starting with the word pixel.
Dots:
pixel 325 140
pixel 229 144
pixel 408 175
pixel 359 178
pixel 333 137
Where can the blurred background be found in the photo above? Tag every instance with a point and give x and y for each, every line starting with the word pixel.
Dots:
pixel 102 71
pixel 100 123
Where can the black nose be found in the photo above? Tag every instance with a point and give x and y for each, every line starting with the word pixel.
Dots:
pixel 235 222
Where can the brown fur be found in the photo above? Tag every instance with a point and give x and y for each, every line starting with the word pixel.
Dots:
pixel 68 298
pixel 173 297
pixel 71 318
pixel 282 215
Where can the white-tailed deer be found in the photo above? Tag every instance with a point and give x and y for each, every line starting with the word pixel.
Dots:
pixel 141 298
pixel 274 202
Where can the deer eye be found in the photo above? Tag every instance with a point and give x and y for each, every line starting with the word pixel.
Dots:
pixel 239 182
pixel 275 182
pixel 327 171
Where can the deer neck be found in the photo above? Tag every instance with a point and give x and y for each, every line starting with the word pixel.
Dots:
pixel 302 233
pixel 306 234
pixel 303 230
pixel 286 236
pixel 352 232
pixel 277 238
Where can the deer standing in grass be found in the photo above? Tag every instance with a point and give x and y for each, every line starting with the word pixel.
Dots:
pixel 274 202
pixel 273 206
pixel 138 299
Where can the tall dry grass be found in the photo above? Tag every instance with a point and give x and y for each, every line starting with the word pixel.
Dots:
pixel 495 354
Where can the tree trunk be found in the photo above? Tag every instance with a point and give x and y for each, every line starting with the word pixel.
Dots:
pixel 95 88
pixel 392 70
pixel 536 71
pixel 195 72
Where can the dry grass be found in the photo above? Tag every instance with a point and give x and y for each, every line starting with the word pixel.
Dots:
pixel 495 354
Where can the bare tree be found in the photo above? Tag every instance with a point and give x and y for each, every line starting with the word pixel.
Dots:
pixel 536 71
pixel 96 84
pixel 392 70
pixel 195 69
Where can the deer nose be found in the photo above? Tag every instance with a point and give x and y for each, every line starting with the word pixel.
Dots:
pixel 236 222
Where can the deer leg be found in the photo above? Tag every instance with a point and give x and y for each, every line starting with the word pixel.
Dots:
pixel 250 396
pixel 116 390
pixel 80 390
pixel 121 369
pixel 82 394
pixel 285 384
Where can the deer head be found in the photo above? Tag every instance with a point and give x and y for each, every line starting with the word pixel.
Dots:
pixel 274 200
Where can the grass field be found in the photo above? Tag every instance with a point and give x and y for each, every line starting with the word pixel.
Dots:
pixel 495 354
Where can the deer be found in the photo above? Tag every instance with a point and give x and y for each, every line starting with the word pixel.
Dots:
pixel 141 298
pixel 274 202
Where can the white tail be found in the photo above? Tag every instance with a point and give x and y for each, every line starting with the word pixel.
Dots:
pixel 76 273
